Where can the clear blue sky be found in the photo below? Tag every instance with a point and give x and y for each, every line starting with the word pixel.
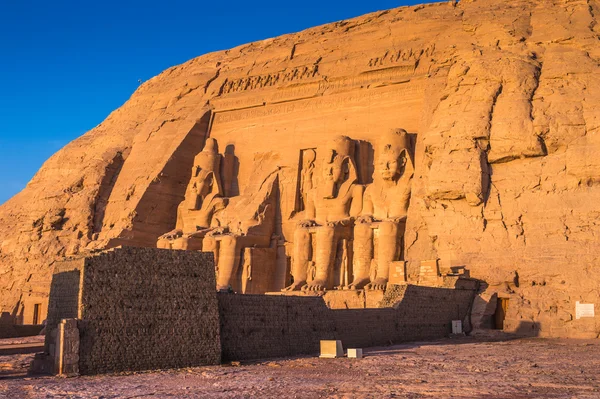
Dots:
pixel 65 65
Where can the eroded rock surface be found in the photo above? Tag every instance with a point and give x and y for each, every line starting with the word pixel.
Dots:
pixel 502 99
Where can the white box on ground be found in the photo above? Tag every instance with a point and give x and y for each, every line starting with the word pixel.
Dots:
pixel 457 327
pixel 331 349
pixel 355 353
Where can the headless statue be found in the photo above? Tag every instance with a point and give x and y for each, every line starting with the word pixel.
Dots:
pixel 203 200
pixel 328 214
pixel 384 209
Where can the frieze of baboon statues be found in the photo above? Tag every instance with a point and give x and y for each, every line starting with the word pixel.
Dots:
pixel 346 233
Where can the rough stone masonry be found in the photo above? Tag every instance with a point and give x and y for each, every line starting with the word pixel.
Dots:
pixel 137 309
pixel 130 309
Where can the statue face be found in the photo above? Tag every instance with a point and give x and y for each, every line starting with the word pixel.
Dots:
pixel 333 169
pixel 200 186
pixel 390 166
pixel 334 174
pixel 203 183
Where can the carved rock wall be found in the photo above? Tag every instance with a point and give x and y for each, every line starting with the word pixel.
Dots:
pixel 502 97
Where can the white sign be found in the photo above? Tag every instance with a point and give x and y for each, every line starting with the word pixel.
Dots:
pixel 584 310
pixel 456 326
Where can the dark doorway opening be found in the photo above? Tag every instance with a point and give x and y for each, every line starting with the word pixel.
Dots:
pixel 37 310
pixel 500 315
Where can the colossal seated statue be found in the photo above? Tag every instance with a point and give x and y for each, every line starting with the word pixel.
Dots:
pixel 328 214
pixel 247 221
pixel 226 226
pixel 203 200
pixel 385 206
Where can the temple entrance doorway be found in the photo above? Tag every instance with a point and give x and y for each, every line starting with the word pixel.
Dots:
pixel 37 310
pixel 500 315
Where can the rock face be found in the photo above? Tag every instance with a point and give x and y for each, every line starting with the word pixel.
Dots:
pixel 500 99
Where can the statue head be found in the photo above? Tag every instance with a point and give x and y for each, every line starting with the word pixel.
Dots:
pixel 205 176
pixel 392 155
pixel 337 164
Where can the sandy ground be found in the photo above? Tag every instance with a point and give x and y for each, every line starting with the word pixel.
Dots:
pixel 451 368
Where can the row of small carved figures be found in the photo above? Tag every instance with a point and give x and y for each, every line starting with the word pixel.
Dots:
pixel 257 82
pixel 268 80
pixel 401 55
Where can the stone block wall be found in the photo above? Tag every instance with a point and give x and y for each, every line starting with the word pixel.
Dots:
pixel 256 326
pixel 263 326
pixel 146 308
pixel 63 302
pixel 140 309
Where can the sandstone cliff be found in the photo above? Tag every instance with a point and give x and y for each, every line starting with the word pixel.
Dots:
pixel 502 96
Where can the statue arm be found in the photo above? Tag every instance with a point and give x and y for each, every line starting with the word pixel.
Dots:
pixel 368 208
pixel 179 222
pixel 357 201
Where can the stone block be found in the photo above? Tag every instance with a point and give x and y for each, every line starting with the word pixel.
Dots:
pixel 355 353
pixel 331 349
pixel 429 273
pixel 397 272
pixel 67 349
pixel 457 327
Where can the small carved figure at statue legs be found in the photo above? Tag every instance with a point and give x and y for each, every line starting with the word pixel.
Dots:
pixel 230 248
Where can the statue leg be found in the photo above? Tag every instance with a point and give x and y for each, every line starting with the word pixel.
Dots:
pixel 302 248
pixel 209 244
pixel 164 243
pixel 326 240
pixel 363 255
pixel 179 243
pixel 229 261
pixel 386 253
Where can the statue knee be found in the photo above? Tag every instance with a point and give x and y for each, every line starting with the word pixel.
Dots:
pixel 163 243
pixel 209 243
pixel 362 230
pixel 301 235
pixel 228 241
pixel 388 228
pixel 326 233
